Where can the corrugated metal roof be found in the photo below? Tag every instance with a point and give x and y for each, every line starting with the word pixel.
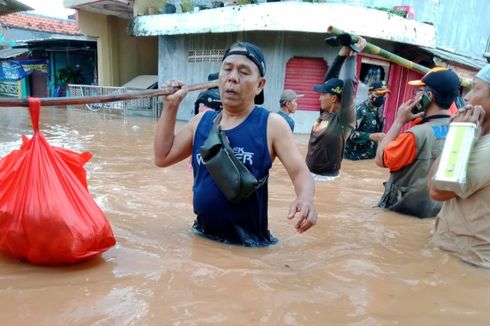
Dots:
pixel 11 53
pixel 56 38
pixel 456 58
pixel 11 6
pixel 288 16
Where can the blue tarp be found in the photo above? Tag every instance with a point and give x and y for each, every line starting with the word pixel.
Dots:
pixel 17 69
pixel 12 70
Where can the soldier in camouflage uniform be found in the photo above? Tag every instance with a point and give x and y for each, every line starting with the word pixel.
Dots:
pixel 363 141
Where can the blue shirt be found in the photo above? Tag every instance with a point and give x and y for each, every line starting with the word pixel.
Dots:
pixel 288 119
pixel 245 223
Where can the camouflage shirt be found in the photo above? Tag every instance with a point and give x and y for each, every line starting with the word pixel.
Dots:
pixel 368 121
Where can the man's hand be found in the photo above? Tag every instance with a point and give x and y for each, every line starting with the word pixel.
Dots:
pixel 473 114
pixel 305 212
pixel 361 43
pixel 347 51
pixel 377 136
pixel 404 113
pixel 173 100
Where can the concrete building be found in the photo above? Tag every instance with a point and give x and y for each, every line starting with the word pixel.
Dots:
pixel 193 35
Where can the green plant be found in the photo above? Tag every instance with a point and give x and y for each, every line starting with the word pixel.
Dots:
pixel 187 5
pixel 69 75
pixel 400 13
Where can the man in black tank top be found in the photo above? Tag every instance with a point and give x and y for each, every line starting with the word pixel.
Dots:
pixel 254 136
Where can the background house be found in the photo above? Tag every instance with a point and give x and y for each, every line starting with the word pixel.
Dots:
pixel 48 53
pixel 121 57
pixel 191 41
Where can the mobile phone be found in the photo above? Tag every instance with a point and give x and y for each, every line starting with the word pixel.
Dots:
pixel 422 104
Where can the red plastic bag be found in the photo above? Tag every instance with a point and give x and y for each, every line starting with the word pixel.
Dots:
pixel 47 215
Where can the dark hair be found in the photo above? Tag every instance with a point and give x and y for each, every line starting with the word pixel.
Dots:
pixel 444 101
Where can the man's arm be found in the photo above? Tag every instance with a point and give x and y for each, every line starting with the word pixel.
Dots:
pixel 359 137
pixel 347 114
pixel 434 192
pixel 403 116
pixel 334 69
pixel 170 147
pixel 283 146
pixel 347 110
pixel 471 114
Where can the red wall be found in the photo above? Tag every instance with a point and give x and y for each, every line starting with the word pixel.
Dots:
pixel 301 75
pixel 400 91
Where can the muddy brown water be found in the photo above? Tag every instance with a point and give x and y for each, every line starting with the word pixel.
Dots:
pixel 359 265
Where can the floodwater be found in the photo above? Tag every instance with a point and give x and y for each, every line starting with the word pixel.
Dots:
pixel 358 266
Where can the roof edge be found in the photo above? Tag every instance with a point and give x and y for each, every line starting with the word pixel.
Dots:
pixel 288 16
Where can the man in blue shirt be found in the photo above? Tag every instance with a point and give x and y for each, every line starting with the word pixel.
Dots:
pixel 256 139
pixel 289 104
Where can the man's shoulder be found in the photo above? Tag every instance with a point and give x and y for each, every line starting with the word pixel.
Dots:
pixel 282 114
pixel 437 128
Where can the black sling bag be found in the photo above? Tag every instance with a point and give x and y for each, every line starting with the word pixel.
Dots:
pixel 234 180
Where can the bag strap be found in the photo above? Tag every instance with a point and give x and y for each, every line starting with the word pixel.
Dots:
pixel 226 144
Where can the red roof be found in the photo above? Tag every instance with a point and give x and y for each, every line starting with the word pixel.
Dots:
pixel 40 23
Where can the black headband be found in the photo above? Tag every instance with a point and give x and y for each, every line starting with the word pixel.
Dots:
pixel 258 62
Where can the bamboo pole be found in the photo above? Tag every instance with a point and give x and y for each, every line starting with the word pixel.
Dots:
pixel 77 100
pixel 373 49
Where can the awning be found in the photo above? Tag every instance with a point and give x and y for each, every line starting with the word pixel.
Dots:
pixel 455 58
pixel 120 8
pixel 11 53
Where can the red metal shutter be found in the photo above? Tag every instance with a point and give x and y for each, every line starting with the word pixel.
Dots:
pixel 400 92
pixel 301 75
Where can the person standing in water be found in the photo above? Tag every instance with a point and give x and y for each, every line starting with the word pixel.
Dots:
pixel 289 104
pixel 337 115
pixel 463 224
pixel 256 138
pixel 409 155
pixel 363 141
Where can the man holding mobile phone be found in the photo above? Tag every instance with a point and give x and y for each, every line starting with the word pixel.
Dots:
pixel 409 155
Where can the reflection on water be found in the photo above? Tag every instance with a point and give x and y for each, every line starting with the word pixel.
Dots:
pixel 359 266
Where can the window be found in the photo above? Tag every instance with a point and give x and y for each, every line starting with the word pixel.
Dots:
pixel 214 55
pixel 371 70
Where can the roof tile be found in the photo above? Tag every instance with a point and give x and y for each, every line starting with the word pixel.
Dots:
pixel 40 23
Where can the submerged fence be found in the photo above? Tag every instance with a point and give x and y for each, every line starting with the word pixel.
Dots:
pixel 99 97
pixel 145 103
